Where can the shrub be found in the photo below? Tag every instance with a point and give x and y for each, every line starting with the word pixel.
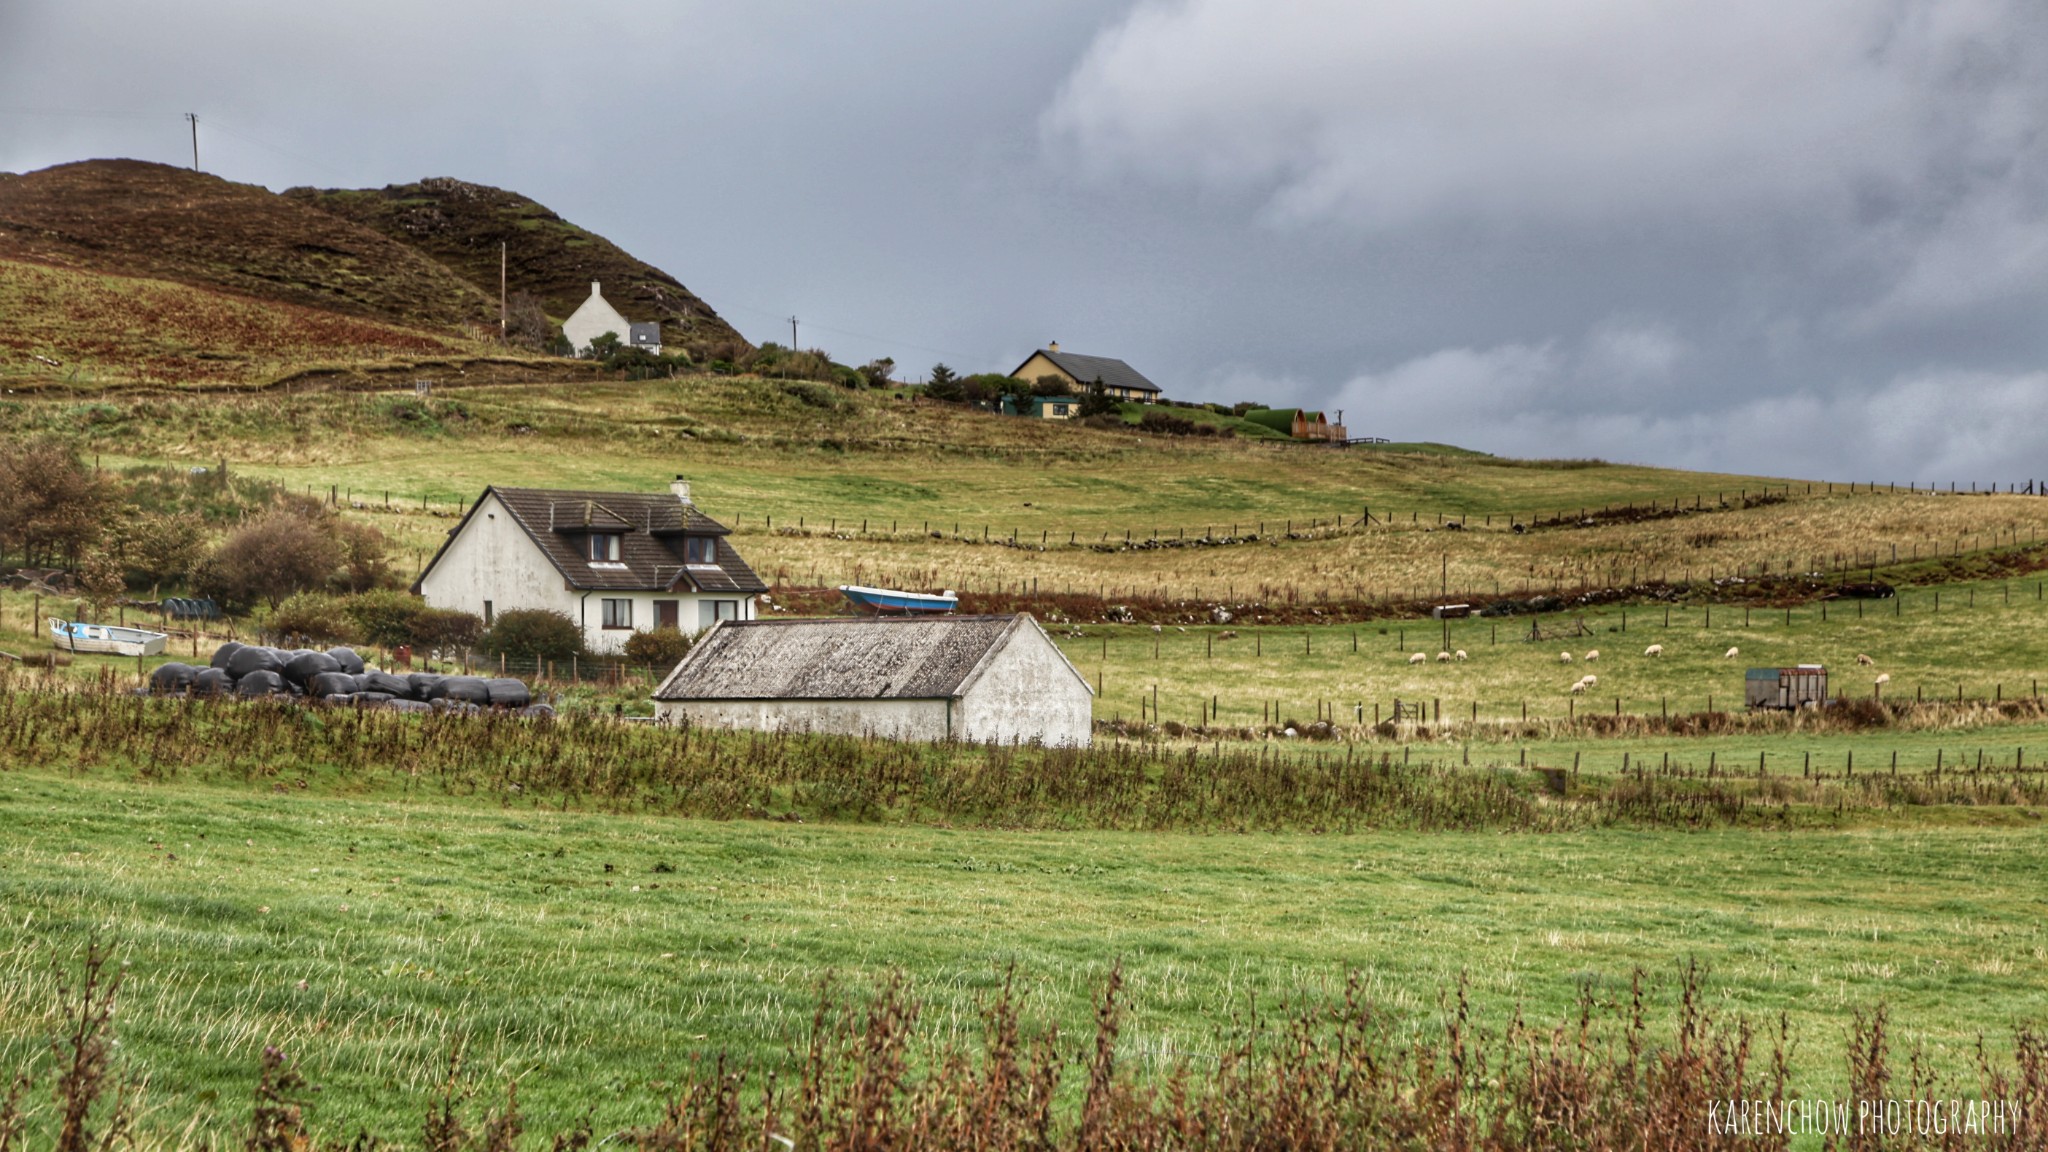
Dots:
pixel 449 632
pixel 876 373
pixel 384 617
pixel 365 557
pixel 51 505
pixel 1098 402
pixel 269 559
pixel 659 647
pixel 316 618
pixel 160 548
pixel 533 633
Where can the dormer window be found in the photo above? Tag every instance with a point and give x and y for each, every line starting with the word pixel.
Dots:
pixel 604 546
pixel 700 550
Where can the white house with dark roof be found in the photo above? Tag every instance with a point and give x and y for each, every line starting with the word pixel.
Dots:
pixel 978 679
pixel 614 562
pixel 1119 379
pixel 596 316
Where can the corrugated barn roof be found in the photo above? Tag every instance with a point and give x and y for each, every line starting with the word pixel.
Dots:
pixel 839 658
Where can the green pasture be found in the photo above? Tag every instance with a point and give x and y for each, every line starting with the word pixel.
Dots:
pixel 590 957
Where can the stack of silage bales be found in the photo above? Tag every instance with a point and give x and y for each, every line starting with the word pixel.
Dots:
pixel 338 677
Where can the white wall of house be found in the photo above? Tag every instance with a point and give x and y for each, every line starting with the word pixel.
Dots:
pixel 593 318
pixel 890 719
pixel 1027 691
pixel 493 566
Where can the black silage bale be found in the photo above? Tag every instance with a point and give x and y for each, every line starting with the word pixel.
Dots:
pixel 350 662
pixel 467 689
pixel 507 693
pixel 222 654
pixel 212 682
pixel 407 706
pixel 303 666
pixel 423 683
pixel 173 679
pixel 371 699
pixel 327 684
pixel 247 659
pixel 261 682
pixel 389 685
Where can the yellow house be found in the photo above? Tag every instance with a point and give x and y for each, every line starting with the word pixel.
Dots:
pixel 1119 379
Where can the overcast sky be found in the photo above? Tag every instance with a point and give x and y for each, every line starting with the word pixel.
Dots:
pixel 1800 238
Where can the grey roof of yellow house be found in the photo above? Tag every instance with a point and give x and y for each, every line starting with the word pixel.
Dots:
pixel 1087 370
pixel 842 658
pixel 651 527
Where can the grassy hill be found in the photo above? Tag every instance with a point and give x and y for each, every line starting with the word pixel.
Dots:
pixel 460 225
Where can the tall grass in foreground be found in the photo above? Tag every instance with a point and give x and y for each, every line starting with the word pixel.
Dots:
pixel 867 1078
pixel 594 763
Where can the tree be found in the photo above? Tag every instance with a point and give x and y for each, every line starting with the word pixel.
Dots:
pixel 160 547
pixel 99 577
pixel 365 557
pixel 52 507
pixel 1097 401
pixel 447 633
pixel 533 633
pixel 876 373
pixel 657 647
pixel 268 559
pixel 604 346
pixel 942 379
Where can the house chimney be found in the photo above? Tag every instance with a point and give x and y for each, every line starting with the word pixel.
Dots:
pixel 593 289
pixel 1053 347
pixel 681 488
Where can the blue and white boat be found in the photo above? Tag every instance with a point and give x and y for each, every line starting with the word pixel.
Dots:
pixel 107 639
pixel 890 600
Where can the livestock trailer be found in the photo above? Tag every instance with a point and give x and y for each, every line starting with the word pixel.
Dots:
pixel 1788 688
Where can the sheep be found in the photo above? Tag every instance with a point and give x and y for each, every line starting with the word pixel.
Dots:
pixel 1883 678
pixel 1593 655
pixel 1654 650
pixel 1443 657
pixel 1460 654
pixel 1564 657
pixel 1156 628
pixel 1579 689
pixel 1418 658
pixel 1731 654
pixel 1591 680
pixel 1862 659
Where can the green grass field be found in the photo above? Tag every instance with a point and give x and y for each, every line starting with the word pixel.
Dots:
pixel 592 957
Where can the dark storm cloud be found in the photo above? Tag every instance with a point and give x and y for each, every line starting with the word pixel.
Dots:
pixel 1807 238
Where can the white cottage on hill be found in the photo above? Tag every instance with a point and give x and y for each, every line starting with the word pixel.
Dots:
pixel 596 316
pixel 980 679
pixel 615 562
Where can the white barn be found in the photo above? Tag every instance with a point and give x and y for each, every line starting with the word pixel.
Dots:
pixel 615 562
pixel 978 679
pixel 595 317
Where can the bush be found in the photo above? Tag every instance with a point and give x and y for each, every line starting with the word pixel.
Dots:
pixel 1098 402
pixel 533 633
pixel 659 647
pixel 384 617
pixel 448 632
pixel 269 559
pixel 316 618
pixel 365 557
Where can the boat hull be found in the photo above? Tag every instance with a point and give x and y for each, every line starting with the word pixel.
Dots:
pixel 890 600
pixel 106 640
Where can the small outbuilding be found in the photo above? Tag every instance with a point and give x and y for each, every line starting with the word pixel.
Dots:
pixel 978 679
pixel 1796 687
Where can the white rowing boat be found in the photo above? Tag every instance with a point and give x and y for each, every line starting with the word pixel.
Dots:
pixel 107 639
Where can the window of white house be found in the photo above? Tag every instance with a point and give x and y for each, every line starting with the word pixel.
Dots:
pixel 618 613
pixel 605 545
pixel 700 550
pixel 710 612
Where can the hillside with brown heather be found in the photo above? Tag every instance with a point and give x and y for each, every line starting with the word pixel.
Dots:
pixel 136 219
pixel 461 225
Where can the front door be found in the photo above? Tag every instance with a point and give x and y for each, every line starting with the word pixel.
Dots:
pixel 667 614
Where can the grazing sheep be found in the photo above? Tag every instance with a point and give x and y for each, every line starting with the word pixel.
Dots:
pixel 1460 653
pixel 1443 657
pixel 1654 650
pixel 1593 655
pixel 1564 657
pixel 1883 678
pixel 1156 628
pixel 1579 689
pixel 1862 659
pixel 1731 654
pixel 1418 658
pixel 1591 680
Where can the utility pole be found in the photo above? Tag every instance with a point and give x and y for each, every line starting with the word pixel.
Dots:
pixel 194 118
pixel 501 292
pixel 792 333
